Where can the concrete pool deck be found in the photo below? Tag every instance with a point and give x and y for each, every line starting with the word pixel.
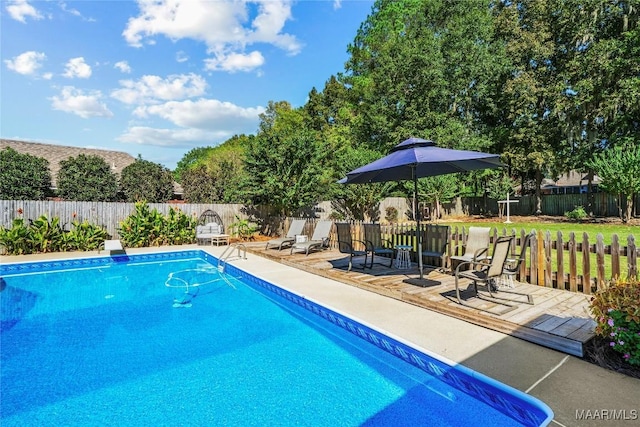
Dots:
pixel 579 393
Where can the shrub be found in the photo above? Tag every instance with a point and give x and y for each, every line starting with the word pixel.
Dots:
pixel 147 227
pixel 617 312
pixel 16 240
pixel 391 214
pixel 577 214
pixel 44 235
pixel 243 229
pixel 85 236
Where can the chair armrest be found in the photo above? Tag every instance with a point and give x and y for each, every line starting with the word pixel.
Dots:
pixel 471 264
pixel 479 252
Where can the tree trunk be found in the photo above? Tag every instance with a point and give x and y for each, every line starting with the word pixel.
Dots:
pixel 538 191
pixel 629 212
pixel 590 195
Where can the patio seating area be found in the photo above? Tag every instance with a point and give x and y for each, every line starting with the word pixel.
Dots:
pixel 558 319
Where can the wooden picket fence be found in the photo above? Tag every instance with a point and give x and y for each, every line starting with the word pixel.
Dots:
pixel 576 263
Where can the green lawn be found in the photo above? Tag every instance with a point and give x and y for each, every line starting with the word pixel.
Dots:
pixel 607 231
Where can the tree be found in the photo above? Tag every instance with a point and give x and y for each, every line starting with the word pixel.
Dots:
pixel 286 164
pixel 438 189
pixel 619 169
pixel 148 181
pixel 23 176
pixel 86 178
pixel 199 185
pixel 193 158
pixel 359 201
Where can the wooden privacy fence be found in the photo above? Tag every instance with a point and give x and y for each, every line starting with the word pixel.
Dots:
pixel 106 214
pixel 574 263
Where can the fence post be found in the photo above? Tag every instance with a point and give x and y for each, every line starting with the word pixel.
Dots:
pixel 586 264
pixel 540 259
pixel 599 261
pixel 615 256
pixel 632 256
pixel 560 280
pixel 573 280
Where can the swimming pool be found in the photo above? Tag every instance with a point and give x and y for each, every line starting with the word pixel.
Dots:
pixel 105 341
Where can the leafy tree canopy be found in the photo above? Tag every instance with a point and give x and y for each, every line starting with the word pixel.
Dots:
pixel 86 178
pixel 193 158
pixel 619 169
pixel 23 176
pixel 286 165
pixel 148 181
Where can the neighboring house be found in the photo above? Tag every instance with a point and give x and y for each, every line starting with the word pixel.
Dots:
pixel 572 182
pixel 118 160
pixel 56 153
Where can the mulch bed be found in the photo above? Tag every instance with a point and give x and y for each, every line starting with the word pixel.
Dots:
pixel 599 352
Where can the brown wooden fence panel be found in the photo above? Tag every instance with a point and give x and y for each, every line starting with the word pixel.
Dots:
pixel 600 249
pixel 560 261
pixel 586 264
pixel 573 275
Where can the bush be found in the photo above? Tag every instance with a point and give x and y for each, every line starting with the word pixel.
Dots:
pixel 147 227
pixel 391 214
pixel 578 214
pixel 44 235
pixel 617 312
pixel 243 229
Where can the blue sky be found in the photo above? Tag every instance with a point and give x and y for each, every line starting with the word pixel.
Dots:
pixel 160 77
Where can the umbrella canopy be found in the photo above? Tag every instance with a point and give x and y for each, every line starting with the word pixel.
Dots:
pixel 418 158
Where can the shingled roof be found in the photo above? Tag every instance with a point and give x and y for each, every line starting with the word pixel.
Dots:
pixel 56 153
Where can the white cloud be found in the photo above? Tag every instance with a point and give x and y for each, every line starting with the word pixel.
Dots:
pixel 143 135
pixel 76 67
pixel 205 114
pixel 26 63
pixel 123 66
pixel 224 26
pixel 154 88
pixel 235 62
pixel 337 4
pixel 21 9
pixel 85 105
pixel 181 56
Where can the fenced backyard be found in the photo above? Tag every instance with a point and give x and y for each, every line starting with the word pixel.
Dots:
pixel 577 262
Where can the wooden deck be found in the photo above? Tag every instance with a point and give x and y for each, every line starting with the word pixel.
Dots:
pixel 558 319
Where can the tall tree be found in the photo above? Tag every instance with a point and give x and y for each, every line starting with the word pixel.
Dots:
pixel 422 68
pixel 23 176
pixel 86 178
pixel 146 181
pixel 619 169
pixel 191 159
pixel 285 164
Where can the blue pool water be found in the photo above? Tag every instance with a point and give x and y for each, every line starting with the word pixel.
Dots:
pixel 104 341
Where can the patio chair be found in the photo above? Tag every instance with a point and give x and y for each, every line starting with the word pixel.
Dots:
pixel 476 247
pixel 489 271
pixel 206 233
pixel 435 241
pixel 345 244
pixel 319 239
pixel 375 244
pixel 512 267
pixel 295 229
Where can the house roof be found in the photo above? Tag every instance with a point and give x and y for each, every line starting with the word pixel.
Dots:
pixel 570 179
pixel 55 153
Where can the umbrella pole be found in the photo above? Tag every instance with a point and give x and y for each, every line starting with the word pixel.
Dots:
pixel 417 214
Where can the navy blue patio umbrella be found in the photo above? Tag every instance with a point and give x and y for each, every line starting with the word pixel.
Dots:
pixel 418 158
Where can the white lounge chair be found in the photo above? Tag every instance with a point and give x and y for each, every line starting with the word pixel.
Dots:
pixel 295 229
pixel 319 239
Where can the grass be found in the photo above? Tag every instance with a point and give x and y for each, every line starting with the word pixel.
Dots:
pixel 565 227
